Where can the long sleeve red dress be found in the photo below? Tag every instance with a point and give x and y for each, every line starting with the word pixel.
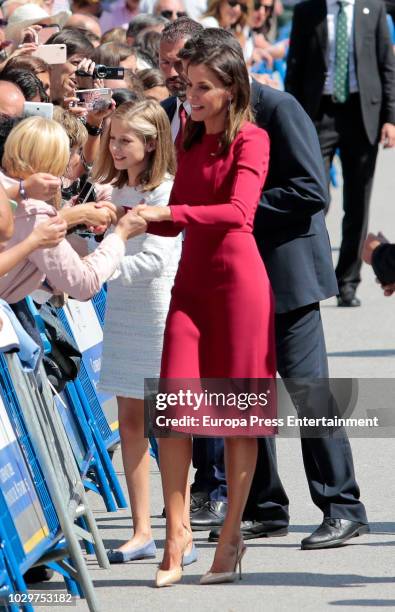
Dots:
pixel 221 318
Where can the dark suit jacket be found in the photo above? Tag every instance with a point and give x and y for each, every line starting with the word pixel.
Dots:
pixel 375 66
pixel 383 262
pixel 170 106
pixel 290 225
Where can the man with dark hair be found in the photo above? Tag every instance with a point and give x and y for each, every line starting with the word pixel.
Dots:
pixel 341 69
pixel 174 37
pixel 27 81
pixel 292 238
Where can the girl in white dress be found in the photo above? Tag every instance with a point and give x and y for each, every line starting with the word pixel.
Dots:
pixel 137 158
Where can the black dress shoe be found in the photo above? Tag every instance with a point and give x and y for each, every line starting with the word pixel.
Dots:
pixel 334 532
pixel 40 573
pixel 348 302
pixel 198 500
pixel 253 529
pixel 212 514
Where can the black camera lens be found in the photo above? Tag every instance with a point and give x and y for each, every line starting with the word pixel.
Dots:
pixel 100 71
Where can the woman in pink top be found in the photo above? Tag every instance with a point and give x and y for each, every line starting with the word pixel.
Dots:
pixel 41 145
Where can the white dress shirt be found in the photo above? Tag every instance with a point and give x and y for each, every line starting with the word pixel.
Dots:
pixel 332 13
pixel 175 122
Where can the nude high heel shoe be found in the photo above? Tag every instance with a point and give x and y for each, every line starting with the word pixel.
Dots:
pixel 168 577
pixel 222 577
pixel 172 576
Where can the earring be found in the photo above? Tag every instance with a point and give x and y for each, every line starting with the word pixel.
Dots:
pixel 230 100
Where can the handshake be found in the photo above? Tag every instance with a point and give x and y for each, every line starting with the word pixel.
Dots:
pixel 134 221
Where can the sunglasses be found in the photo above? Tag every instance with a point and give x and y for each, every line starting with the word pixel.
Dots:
pixel 268 7
pixel 169 14
pixel 234 3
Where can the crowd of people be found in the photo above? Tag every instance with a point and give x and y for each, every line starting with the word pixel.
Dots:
pixel 164 158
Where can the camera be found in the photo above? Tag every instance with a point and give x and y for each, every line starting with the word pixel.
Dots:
pixel 103 72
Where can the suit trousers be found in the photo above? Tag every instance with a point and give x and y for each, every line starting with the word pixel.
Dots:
pixel 208 460
pixel 340 127
pixel 328 462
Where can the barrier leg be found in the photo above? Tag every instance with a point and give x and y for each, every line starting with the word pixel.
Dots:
pixel 103 453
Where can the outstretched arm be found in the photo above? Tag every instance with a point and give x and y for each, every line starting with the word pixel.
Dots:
pixel 251 155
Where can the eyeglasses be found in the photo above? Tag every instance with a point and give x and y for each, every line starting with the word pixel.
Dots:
pixel 258 5
pixel 169 14
pixel 234 3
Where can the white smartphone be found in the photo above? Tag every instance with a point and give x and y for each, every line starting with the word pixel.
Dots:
pixel 52 54
pixel 41 109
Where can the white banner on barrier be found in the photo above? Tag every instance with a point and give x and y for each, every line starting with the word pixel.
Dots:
pixel 84 324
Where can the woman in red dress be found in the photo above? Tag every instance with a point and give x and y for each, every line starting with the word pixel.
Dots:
pixel 220 323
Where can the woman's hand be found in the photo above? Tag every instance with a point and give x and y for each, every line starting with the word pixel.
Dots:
pixel 96 117
pixel 100 215
pixel 49 233
pixel 24 49
pixel 130 225
pixel 153 213
pixel 42 186
pixel 73 105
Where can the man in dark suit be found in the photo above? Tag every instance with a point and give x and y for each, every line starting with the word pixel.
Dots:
pixel 341 69
pixel 291 234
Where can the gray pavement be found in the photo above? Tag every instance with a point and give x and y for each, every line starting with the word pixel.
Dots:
pixel 278 576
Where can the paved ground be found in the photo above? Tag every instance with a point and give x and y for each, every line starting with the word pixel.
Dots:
pixel 278 576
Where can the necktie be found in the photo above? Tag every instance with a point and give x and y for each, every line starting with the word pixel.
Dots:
pixel 182 113
pixel 341 88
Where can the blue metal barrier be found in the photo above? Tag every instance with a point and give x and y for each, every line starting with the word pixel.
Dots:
pixel 103 437
pixel 29 523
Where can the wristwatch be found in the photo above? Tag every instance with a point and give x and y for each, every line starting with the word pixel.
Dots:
pixel 93 130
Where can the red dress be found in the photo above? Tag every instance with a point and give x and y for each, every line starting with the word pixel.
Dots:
pixel 221 318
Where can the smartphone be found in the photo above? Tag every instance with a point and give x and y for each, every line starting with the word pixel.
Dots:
pixel 95 99
pixel 47 30
pixel 52 54
pixel 42 109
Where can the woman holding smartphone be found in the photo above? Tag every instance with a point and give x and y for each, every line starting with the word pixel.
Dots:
pixel 221 321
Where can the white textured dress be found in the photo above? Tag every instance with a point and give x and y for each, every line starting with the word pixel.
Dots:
pixel 138 302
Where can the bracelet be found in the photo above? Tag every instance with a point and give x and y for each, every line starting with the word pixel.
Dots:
pixel 13 204
pixel 87 166
pixel 22 190
pixel 93 130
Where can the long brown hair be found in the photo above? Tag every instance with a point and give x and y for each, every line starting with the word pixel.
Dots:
pixel 150 123
pixel 230 68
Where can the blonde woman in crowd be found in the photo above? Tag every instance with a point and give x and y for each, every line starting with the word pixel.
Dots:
pixel 41 145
